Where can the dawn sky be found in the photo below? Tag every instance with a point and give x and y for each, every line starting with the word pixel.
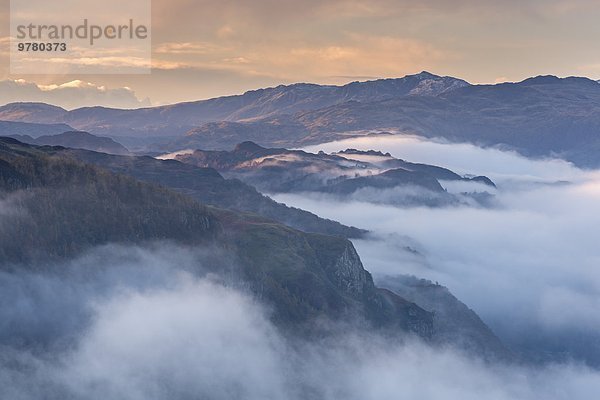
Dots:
pixel 203 49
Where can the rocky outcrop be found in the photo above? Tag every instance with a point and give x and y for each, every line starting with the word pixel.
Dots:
pixel 348 272
pixel 384 308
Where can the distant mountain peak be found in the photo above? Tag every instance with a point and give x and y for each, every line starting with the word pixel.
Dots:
pixel 426 74
pixel 248 147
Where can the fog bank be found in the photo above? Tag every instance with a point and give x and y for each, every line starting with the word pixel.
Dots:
pixel 528 266
pixel 498 164
pixel 155 326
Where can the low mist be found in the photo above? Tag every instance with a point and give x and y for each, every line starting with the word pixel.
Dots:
pixel 164 321
pixel 150 323
pixel 528 264
pixel 463 158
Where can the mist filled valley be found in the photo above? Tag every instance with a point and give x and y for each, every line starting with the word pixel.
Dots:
pixel 525 263
pixel 242 307
pixel 416 237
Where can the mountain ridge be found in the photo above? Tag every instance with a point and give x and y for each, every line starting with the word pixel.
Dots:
pixel 543 116
pixel 258 103
pixel 209 187
pixel 346 173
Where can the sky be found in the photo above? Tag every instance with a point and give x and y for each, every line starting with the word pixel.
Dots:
pixel 203 49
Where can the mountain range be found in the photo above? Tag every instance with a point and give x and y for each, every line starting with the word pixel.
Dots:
pixel 251 105
pixel 545 116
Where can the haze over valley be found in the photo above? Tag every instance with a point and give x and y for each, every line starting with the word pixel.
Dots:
pixel 418 237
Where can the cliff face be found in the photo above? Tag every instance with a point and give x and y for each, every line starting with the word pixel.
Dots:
pixel 384 308
pixel 348 272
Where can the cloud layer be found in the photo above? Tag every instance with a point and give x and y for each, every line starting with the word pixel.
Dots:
pixel 152 325
pixel 498 164
pixel 528 265
pixel 69 95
